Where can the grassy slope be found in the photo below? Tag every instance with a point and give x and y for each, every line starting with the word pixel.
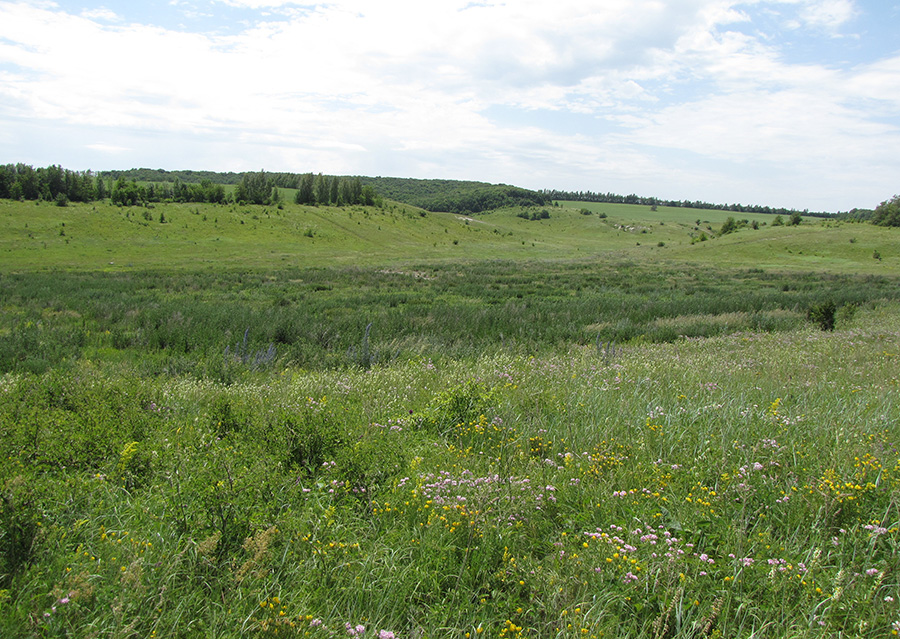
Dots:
pixel 104 237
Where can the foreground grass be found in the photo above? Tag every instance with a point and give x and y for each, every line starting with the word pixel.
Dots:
pixel 738 486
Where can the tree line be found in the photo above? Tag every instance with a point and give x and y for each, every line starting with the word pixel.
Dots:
pixel 455 196
pixel 615 198
pixel 139 186
pixel 259 187
pixel 53 183
pixel 334 191
pixel 130 193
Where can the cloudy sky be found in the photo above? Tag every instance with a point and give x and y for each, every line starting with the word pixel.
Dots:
pixel 787 102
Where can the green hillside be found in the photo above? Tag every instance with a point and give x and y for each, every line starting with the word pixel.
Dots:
pixel 100 236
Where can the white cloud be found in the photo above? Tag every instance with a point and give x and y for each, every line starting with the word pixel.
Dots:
pixel 877 82
pixel 259 4
pixel 343 85
pixel 101 13
pixel 828 14
pixel 785 128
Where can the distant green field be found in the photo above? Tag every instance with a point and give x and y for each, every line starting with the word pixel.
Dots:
pixel 105 237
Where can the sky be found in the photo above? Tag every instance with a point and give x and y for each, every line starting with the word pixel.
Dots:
pixel 787 103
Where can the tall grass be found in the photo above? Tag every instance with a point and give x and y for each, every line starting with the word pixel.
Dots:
pixel 743 485
pixel 182 323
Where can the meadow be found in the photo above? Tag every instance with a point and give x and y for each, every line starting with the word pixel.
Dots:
pixel 38 236
pixel 251 421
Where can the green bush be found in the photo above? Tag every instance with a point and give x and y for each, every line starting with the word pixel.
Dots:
pixel 823 315
pixel 450 408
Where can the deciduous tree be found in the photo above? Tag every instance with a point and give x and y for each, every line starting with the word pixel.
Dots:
pixel 887 213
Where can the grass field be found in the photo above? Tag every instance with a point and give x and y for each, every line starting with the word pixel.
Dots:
pixel 92 237
pixel 339 423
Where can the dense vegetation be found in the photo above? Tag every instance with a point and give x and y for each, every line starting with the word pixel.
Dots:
pixel 185 323
pixel 888 212
pixel 455 196
pixel 736 486
pixel 293 420
pixel 54 183
pixel 282 180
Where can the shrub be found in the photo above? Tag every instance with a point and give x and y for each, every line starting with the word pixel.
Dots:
pixel 730 226
pixel 458 405
pixel 823 315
